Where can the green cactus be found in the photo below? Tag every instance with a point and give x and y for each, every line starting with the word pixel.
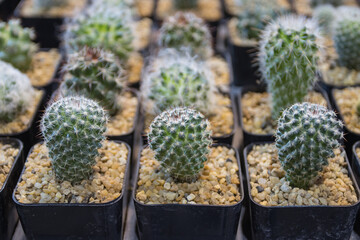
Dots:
pixel 324 15
pixel 288 60
pixel 101 27
pixel 73 129
pixel 185 4
pixel 186 30
pixel 47 4
pixel 315 3
pixel 95 74
pixel 346 36
pixel 181 141
pixel 16 46
pixel 16 92
pixel 306 136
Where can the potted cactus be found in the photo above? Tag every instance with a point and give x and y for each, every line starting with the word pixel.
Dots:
pixel 235 7
pixel 288 61
pixel 74 177
pixel 19 103
pixel 304 180
pixel 176 80
pixel 307 7
pixel 187 181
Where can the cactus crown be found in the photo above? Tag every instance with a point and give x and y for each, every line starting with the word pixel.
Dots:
pixel 324 15
pixel 176 80
pixel 315 3
pixel 101 27
pixel 16 92
pixel 47 4
pixel 346 36
pixel 288 59
pixel 306 136
pixel 73 129
pixel 185 4
pixel 95 74
pixel 181 141
pixel 16 46
pixel 185 29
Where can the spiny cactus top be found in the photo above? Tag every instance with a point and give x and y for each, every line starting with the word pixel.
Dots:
pixel 335 3
pixel 185 29
pixel 101 27
pixel 16 46
pixel 16 92
pixel 346 36
pixel 95 74
pixel 73 129
pixel 306 136
pixel 47 4
pixel 181 141
pixel 324 15
pixel 288 59
pixel 176 80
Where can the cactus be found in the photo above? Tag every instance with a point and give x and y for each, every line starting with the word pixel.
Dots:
pixel 181 141
pixel 324 15
pixel 289 59
pixel 176 80
pixel 95 74
pixel 335 3
pixel 358 108
pixel 185 4
pixel 346 36
pixel 47 4
pixel 16 46
pixel 185 29
pixel 306 136
pixel 101 27
pixel 16 92
pixel 73 129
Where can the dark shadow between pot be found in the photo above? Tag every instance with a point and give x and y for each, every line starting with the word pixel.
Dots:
pixel 187 221
pixel 356 169
pixel 58 221
pixel 301 222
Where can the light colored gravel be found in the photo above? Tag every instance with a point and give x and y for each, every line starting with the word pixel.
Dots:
pixel 65 11
pixel 7 157
pixel 134 67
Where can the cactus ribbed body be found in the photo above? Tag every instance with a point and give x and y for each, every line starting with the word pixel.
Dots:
pixel 73 129
pixel 181 141
pixel 289 60
pixel 97 75
pixel 16 92
pixel 16 46
pixel 306 136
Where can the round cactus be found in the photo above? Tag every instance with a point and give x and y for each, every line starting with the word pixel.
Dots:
pixel 315 3
pixel 16 46
pixel 47 4
pixel 185 4
pixel 181 141
pixel 306 136
pixel 288 59
pixel 95 74
pixel 73 129
pixel 16 92
pixel 346 36
pixel 185 29
pixel 101 27
pixel 324 15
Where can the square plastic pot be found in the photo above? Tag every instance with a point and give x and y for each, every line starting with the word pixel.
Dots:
pixel 187 221
pixel 58 221
pixel 8 214
pixel 356 168
pixel 301 222
pixel 6 8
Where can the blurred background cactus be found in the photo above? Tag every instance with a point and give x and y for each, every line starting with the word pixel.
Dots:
pixel 73 129
pixel 185 4
pixel 47 4
pixel 315 3
pixel 181 141
pixel 16 93
pixel 16 44
pixel 306 136
pixel 324 15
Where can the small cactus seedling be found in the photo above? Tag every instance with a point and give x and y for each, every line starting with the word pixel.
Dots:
pixel 73 129
pixel 95 74
pixel 306 136
pixel 16 46
pixel 16 92
pixel 47 4
pixel 346 36
pixel 185 4
pixel 315 3
pixel 185 29
pixel 181 141
pixel 324 15
pixel 288 60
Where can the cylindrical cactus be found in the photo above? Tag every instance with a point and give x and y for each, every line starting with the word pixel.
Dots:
pixel 185 29
pixel 46 4
pixel 315 3
pixel 95 74
pixel 16 46
pixel 346 36
pixel 288 59
pixel 16 92
pixel 181 141
pixel 185 4
pixel 306 136
pixel 324 15
pixel 73 129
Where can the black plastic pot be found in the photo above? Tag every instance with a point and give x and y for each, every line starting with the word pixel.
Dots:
pixel 301 222
pixel 7 8
pixel 8 214
pixel 356 168
pixel 58 221
pixel 187 221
